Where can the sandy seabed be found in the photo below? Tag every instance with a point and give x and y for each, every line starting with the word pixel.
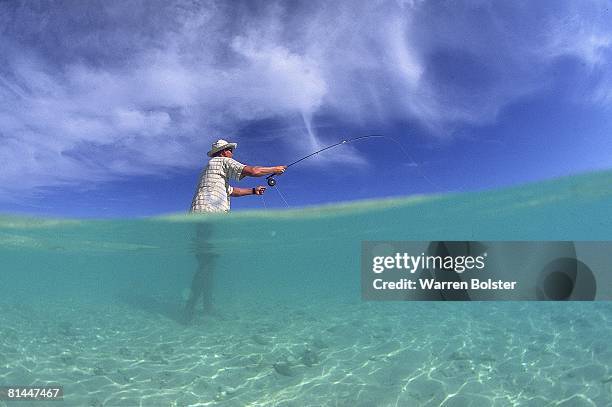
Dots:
pixel 317 353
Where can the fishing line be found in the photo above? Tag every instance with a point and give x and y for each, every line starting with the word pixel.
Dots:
pixel 264 201
pixel 412 161
pixel 272 181
pixel 282 197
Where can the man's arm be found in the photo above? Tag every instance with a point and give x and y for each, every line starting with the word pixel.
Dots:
pixel 256 171
pixel 259 190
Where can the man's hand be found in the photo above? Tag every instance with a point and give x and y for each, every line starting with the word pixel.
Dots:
pixel 259 190
pixel 280 169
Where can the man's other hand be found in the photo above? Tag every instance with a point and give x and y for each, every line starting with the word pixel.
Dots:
pixel 259 190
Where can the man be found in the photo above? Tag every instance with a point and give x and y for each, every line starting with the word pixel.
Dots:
pixel 213 191
pixel 213 195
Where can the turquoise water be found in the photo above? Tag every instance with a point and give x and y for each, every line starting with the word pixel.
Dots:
pixel 98 307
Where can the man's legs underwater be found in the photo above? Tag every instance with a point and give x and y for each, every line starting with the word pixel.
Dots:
pixel 201 285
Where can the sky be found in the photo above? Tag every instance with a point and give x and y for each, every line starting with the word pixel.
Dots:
pixel 107 108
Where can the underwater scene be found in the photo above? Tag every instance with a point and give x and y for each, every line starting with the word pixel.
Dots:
pixel 264 308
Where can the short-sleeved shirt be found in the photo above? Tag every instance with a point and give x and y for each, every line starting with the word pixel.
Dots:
pixel 213 190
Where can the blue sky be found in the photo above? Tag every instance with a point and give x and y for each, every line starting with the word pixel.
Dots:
pixel 108 108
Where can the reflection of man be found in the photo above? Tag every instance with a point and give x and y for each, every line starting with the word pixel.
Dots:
pixel 213 191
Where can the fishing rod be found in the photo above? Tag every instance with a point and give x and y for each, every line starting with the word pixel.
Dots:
pixel 272 181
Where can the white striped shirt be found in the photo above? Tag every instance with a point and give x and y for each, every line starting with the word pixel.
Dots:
pixel 213 191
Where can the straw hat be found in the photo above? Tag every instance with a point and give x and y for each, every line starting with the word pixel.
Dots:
pixel 221 145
